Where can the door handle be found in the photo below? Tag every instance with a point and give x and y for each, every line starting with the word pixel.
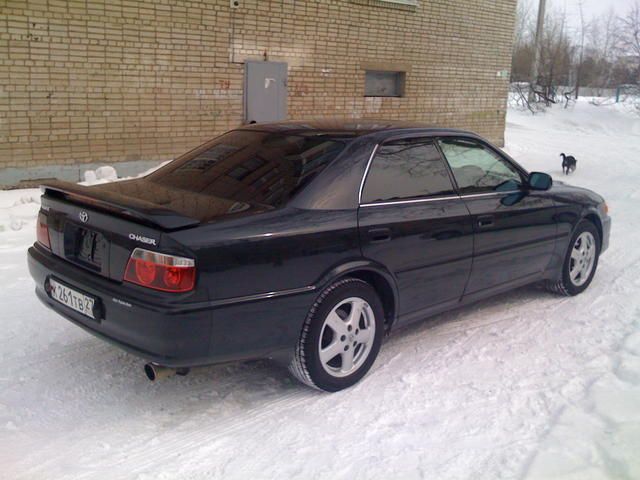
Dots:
pixel 379 235
pixel 485 221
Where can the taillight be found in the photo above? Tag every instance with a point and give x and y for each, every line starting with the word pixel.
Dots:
pixel 160 271
pixel 42 231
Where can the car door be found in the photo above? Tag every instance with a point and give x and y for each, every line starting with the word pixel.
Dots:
pixel 412 221
pixel 515 229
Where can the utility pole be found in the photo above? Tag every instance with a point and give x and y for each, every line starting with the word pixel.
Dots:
pixel 535 68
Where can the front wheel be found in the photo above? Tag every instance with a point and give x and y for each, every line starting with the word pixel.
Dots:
pixel 340 338
pixel 581 261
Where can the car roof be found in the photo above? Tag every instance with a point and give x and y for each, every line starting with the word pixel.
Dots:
pixel 352 127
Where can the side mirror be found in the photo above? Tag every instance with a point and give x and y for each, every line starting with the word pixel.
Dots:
pixel 540 181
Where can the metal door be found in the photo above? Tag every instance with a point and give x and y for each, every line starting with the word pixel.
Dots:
pixel 514 237
pixel 265 91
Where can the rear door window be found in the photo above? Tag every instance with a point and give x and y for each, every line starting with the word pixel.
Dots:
pixel 407 169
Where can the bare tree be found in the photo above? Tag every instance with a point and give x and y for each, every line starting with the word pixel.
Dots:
pixel 537 45
pixel 556 53
pixel 600 51
pixel 582 35
pixel 605 32
pixel 630 36
pixel 524 24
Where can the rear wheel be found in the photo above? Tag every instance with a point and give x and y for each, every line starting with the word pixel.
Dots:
pixel 340 338
pixel 581 261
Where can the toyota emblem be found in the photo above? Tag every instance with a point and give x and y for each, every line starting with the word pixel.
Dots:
pixel 84 216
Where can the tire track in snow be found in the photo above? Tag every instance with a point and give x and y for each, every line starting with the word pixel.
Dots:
pixel 139 455
pixel 607 464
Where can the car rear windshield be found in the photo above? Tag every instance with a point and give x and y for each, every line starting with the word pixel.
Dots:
pixel 253 166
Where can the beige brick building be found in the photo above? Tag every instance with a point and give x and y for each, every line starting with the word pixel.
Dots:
pixel 130 82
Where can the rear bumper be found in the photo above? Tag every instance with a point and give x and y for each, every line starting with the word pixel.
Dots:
pixel 169 332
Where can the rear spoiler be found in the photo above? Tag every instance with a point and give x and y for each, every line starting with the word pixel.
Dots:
pixel 121 205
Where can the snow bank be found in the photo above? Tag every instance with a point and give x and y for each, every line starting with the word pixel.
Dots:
pixel 108 174
pixel 100 175
pixel 19 208
pixel 18 212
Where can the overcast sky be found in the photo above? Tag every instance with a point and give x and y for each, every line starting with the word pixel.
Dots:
pixel 591 7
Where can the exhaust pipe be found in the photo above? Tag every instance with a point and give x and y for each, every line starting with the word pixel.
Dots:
pixel 158 372
pixel 154 372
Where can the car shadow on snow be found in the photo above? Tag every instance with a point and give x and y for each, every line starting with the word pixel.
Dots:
pixel 101 377
pixel 475 315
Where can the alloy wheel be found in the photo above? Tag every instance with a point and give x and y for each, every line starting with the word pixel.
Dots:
pixel 583 255
pixel 347 337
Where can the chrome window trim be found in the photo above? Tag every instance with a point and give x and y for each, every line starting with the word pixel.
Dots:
pixel 437 199
pixel 488 194
pixel 416 200
pixel 419 200
pixel 366 172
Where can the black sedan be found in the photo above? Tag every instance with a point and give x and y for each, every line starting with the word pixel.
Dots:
pixel 308 243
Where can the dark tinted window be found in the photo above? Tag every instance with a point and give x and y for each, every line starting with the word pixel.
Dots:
pixel 406 169
pixel 476 168
pixel 251 166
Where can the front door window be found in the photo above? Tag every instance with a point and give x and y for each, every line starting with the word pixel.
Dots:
pixel 477 169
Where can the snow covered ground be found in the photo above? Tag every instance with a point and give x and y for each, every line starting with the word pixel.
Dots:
pixel 526 385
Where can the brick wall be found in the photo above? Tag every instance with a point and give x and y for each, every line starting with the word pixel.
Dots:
pixel 120 80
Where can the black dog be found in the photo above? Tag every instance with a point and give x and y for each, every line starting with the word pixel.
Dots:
pixel 569 164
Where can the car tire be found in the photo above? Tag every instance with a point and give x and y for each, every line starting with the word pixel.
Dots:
pixel 580 262
pixel 340 337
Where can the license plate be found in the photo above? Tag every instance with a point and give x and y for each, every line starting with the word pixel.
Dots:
pixel 72 298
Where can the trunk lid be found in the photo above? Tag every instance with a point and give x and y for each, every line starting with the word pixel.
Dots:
pixel 150 203
pixel 98 227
